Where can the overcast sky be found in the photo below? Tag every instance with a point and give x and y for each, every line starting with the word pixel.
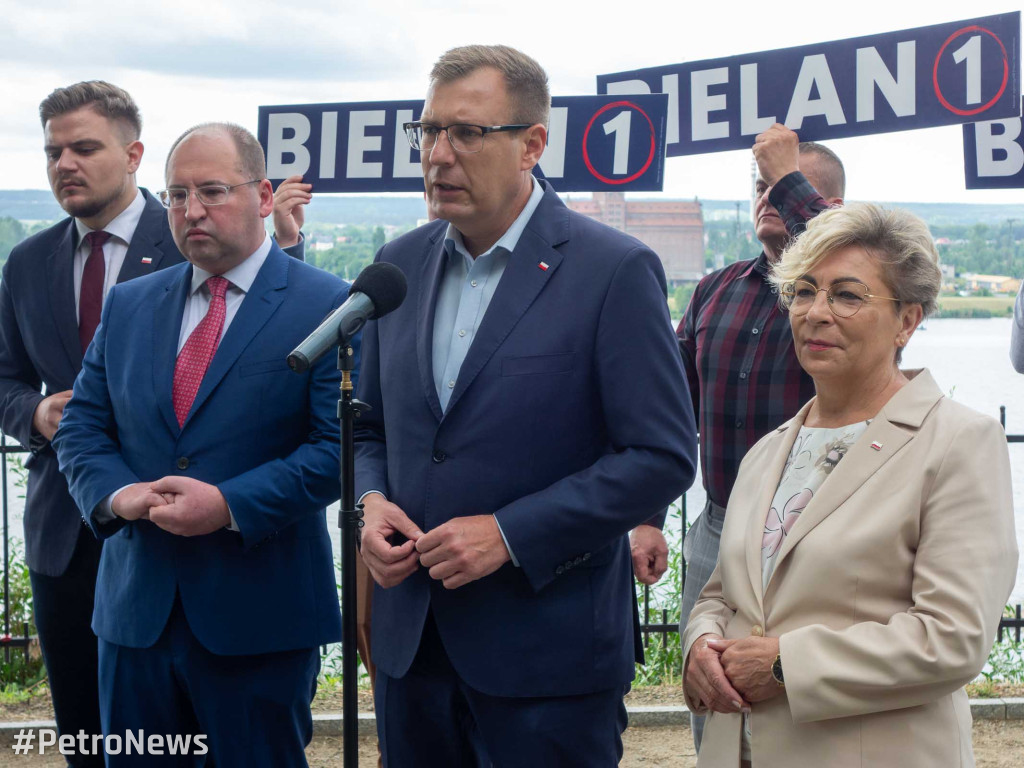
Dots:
pixel 187 61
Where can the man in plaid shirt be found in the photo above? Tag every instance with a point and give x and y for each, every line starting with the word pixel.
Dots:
pixel 736 342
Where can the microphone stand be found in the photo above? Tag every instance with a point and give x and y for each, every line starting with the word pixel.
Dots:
pixel 350 520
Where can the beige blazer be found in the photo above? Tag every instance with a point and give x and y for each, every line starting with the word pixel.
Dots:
pixel 885 597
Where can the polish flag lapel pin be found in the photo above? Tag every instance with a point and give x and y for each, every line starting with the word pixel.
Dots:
pixel 147 260
pixel 543 266
pixel 876 445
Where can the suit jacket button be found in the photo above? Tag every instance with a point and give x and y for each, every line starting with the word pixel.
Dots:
pixel 439 456
pixel 183 463
pixel 559 570
pixel 586 555
pixel 757 630
pixel 577 561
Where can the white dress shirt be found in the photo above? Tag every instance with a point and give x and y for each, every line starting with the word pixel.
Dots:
pixel 120 228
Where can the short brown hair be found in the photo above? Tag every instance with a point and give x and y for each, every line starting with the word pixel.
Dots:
pixel 108 100
pixel 832 172
pixel 252 161
pixel 525 80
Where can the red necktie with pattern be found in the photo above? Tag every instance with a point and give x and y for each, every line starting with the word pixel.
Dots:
pixel 195 356
pixel 90 296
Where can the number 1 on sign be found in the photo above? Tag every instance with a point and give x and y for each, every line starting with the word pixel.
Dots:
pixel 619 125
pixel 971 52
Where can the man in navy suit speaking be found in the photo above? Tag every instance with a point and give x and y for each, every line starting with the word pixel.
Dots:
pixel 528 409
pixel 206 465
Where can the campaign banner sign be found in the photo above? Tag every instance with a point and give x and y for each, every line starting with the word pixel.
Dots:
pixel 594 143
pixel 959 72
pixel 994 154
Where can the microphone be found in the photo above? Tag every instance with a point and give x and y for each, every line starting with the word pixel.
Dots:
pixel 379 289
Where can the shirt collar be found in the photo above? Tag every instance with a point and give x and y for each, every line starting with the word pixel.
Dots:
pixel 453 238
pixel 121 226
pixel 759 265
pixel 241 275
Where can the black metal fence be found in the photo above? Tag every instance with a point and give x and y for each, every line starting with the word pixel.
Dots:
pixel 7 640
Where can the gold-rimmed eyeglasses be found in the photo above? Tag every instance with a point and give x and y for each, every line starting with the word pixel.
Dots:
pixel 844 298
pixel 464 137
pixel 208 194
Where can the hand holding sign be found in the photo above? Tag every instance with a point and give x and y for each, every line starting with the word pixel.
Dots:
pixel 777 152
pixel 290 200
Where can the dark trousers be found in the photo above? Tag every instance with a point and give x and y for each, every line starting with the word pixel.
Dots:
pixel 431 719
pixel 251 711
pixel 63 614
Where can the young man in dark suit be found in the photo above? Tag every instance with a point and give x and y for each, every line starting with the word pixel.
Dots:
pixel 53 289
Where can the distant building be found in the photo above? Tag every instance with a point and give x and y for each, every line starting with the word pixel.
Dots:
pixel 993 283
pixel 672 229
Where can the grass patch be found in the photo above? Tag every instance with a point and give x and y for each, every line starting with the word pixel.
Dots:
pixel 975 306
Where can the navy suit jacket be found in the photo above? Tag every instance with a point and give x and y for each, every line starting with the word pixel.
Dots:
pixel 570 420
pixel 39 347
pixel 267 437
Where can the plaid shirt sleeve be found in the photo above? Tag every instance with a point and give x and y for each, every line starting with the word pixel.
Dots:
pixel 797 201
pixel 686 333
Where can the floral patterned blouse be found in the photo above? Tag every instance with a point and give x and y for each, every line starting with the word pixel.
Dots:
pixel 816 452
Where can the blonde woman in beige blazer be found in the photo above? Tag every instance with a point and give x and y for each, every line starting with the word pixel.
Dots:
pixel 887 579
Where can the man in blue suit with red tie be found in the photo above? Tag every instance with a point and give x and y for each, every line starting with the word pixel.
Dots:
pixel 53 288
pixel 528 409
pixel 206 465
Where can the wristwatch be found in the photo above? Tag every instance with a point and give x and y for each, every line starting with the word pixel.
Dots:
pixel 777 671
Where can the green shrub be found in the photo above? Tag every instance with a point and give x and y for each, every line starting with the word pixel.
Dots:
pixel 663 654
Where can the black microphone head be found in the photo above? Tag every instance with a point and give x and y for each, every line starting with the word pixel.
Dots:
pixel 384 284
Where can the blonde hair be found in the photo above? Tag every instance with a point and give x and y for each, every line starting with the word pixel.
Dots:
pixel 899 240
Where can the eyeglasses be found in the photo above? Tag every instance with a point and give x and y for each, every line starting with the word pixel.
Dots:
pixel 464 137
pixel 845 298
pixel 208 194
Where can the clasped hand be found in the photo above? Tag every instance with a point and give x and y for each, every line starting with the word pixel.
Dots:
pixel 180 505
pixel 456 553
pixel 730 675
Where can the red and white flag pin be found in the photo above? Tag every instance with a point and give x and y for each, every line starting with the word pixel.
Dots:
pixel 876 445
pixel 544 266
pixel 147 260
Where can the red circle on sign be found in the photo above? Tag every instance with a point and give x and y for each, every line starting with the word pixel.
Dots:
pixel 586 133
pixel 935 71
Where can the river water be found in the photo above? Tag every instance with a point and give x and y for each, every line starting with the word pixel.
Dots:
pixel 968 358
pixel 970 362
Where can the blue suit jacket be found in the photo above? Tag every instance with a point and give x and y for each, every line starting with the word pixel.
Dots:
pixel 267 437
pixel 39 346
pixel 570 420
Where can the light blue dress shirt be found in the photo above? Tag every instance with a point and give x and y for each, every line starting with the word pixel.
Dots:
pixel 467 288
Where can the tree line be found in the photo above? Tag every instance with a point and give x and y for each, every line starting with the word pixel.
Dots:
pixel 989 249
